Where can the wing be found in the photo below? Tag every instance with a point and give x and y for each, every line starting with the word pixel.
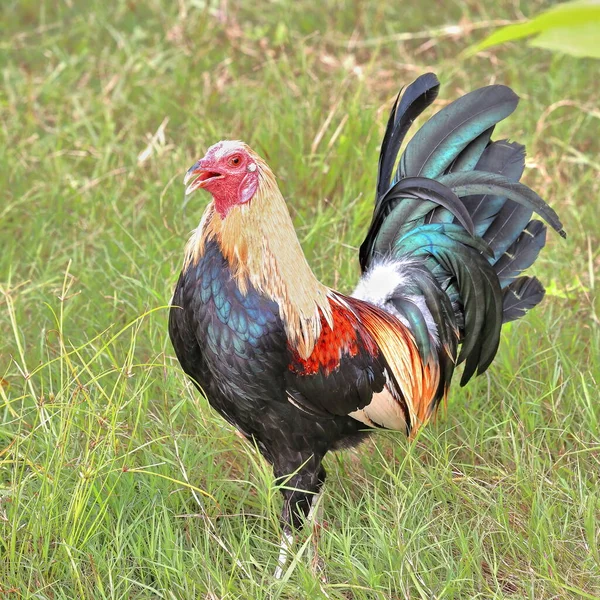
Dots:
pixel 343 371
pixel 367 366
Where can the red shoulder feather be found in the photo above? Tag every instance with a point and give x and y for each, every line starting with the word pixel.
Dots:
pixel 345 338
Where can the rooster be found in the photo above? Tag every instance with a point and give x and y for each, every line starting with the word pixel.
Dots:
pixel 301 369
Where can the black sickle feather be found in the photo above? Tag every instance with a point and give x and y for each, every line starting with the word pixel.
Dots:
pixel 434 147
pixel 407 107
pixel 428 192
pixel 477 182
pixel 429 189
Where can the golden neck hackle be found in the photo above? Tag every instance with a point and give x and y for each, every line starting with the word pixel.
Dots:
pixel 260 244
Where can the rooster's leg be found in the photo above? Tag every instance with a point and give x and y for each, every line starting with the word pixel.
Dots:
pixel 300 501
pixel 315 514
pixel 315 519
pixel 287 539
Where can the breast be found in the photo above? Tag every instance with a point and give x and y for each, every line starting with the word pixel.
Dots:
pixel 239 337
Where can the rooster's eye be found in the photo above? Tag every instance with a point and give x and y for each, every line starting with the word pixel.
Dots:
pixel 234 161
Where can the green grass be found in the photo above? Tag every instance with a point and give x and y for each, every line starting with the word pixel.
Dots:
pixel 116 479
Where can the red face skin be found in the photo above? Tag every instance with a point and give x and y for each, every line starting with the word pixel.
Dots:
pixel 228 172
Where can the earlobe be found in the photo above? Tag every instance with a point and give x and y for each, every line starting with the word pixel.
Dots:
pixel 248 188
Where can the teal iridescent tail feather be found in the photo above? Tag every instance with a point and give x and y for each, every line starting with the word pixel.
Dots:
pixel 457 223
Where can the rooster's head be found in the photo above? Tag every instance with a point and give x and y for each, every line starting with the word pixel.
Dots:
pixel 230 171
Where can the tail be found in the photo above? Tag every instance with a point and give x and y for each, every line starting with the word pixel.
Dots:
pixel 452 228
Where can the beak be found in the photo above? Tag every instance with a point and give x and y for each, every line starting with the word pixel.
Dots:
pixel 201 174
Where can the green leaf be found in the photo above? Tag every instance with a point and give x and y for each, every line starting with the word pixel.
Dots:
pixel 572 28
pixel 581 40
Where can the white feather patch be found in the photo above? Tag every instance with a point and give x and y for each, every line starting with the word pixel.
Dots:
pixel 385 279
pixel 380 282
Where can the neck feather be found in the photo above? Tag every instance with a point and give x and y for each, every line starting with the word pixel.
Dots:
pixel 261 246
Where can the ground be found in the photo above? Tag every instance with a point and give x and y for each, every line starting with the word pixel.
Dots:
pixel 116 479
